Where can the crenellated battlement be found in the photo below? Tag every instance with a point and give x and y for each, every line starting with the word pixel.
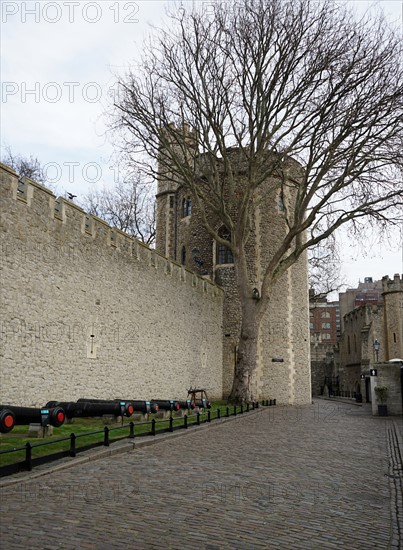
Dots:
pixel 87 310
pixel 392 285
pixel 80 233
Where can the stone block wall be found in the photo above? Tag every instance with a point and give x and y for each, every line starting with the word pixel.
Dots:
pixel 87 311
pixel 393 332
pixel 388 374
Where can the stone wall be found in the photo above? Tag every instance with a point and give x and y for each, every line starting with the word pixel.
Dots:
pixel 393 332
pixel 87 311
pixel 388 374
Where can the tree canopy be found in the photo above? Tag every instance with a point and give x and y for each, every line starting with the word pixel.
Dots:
pixel 284 82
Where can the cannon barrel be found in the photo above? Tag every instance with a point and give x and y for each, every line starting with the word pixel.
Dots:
pixel 7 420
pixel 88 409
pixel 167 404
pixel 138 405
pixel 187 405
pixel 153 407
pixel 141 406
pixel 55 416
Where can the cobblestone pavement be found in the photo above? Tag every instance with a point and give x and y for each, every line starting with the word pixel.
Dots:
pixel 325 476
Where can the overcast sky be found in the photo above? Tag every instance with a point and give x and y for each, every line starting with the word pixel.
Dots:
pixel 57 66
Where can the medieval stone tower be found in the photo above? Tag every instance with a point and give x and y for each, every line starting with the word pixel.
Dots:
pixel 283 355
pixel 392 292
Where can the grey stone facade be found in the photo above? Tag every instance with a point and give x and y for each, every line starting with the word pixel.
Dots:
pixel 284 332
pixel 363 326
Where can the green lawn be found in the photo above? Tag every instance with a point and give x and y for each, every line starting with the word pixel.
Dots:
pixel 18 437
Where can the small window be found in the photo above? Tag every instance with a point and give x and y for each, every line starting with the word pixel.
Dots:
pixel 22 189
pixel 348 345
pixel 171 201
pixel 183 256
pixel 325 336
pixel 325 315
pixel 325 325
pixel 88 224
pixel 280 202
pixel 186 207
pixel 394 338
pixel 311 325
pixel 224 254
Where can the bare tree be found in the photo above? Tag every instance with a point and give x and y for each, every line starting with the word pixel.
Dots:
pixel 29 167
pixel 324 267
pixel 129 206
pixel 278 80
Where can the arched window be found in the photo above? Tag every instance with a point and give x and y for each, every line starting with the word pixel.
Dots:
pixel 183 255
pixel 325 315
pixel 224 254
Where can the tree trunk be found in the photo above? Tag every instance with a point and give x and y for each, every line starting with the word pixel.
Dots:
pixel 244 387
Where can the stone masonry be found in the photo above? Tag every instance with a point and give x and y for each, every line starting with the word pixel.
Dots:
pixel 284 331
pixel 87 311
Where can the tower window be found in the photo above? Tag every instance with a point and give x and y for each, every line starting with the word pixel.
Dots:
pixel 224 254
pixel 280 202
pixel 186 207
pixel 171 201
pixel 183 256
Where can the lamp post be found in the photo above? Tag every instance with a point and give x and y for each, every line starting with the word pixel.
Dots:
pixel 376 346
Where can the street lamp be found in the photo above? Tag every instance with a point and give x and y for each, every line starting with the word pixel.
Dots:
pixel 377 346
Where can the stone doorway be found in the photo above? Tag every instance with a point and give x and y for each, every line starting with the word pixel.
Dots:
pixel 367 390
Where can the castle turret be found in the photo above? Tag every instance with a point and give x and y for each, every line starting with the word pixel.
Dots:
pixel 171 149
pixel 283 351
pixel 393 322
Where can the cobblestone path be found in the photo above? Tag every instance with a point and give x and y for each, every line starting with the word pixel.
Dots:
pixel 326 476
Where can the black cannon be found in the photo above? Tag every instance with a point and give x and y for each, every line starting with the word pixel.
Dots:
pixel 138 405
pixel 142 406
pixel 7 420
pixel 187 405
pixel 88 409
pixel 54 415
pixel 129 404
pixel 166 404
